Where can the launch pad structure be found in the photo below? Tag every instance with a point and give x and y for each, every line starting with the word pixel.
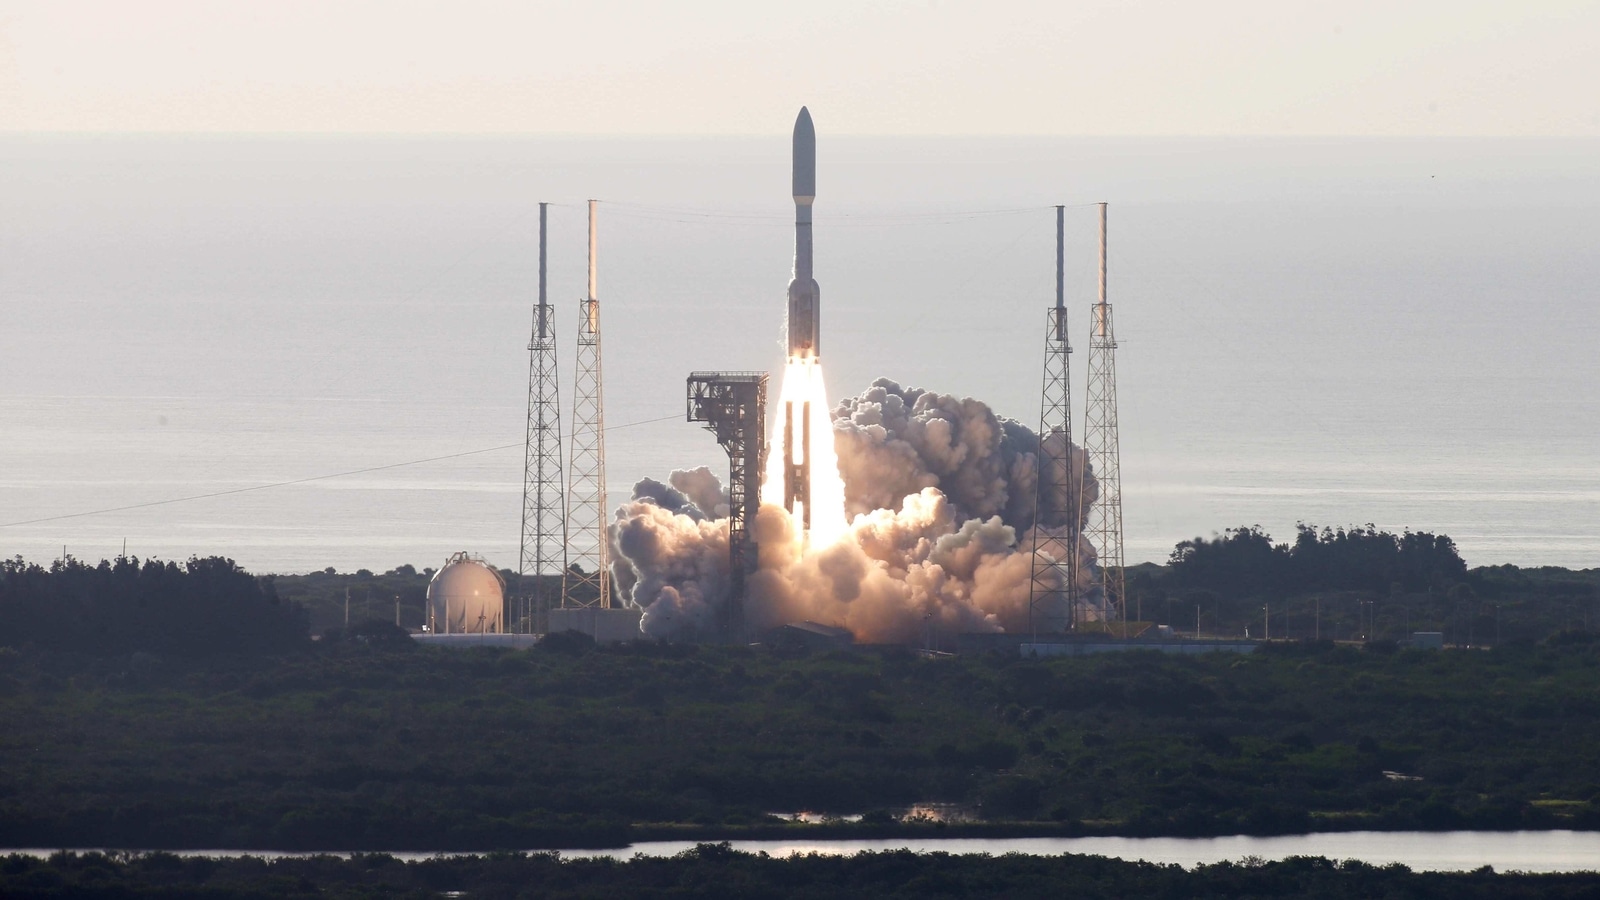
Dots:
pixel 1056 519
pixel 586 579
pixel 1062 517
pixel 543 555
pixel 565 517
pixel 1102 450
pixel 733 405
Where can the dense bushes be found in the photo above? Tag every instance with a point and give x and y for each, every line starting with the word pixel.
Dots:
pixel 1357 583
pixel 360 745
pixel 203 607
pixel 1245 560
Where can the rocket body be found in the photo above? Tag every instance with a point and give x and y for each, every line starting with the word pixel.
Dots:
pixel 805 298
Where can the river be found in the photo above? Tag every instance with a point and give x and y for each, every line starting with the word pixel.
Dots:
pixel 1439 851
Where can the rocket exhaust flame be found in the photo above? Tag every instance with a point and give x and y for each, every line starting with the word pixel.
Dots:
pixel 804 478
pixel 940 490
pixel 796 464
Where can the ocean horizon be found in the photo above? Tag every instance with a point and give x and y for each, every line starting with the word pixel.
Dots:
pixel 1335 331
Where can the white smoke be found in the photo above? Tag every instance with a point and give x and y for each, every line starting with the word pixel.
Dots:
pixel 941 492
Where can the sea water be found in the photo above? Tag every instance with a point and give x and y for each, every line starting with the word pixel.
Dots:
pixel 1427 851
pixel 1336 331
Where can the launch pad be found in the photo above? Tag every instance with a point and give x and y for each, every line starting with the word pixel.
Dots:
pixel 1073 581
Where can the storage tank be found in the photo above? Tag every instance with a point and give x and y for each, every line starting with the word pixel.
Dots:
pixel 467 596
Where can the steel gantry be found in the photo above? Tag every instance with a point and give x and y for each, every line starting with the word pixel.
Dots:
pixel 586 580
pixel 1105 592
pixel 1052 595
pixel 733 405
pixel 543 556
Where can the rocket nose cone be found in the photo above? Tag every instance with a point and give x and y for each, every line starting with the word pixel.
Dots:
pixel 805 155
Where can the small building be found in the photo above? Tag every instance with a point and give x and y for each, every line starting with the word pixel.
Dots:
pixel 1426 640
pixel 605 626
pixel 470 640
pixel 810 636
pixel 1083 646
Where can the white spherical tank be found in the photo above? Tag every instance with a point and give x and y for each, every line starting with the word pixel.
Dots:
pixel 467 596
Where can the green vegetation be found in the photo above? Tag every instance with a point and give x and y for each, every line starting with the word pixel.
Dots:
pixel 1357 584
pixel 713 870
pixel 205 607
pixel 185 705
pixel 1340 584
pixel 372 597
pixel 375 743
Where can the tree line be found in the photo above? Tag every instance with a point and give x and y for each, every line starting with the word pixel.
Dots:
pixel 1357 583
pixel 202 607
pixel 717 870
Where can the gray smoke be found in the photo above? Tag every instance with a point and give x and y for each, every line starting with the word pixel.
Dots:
pixel 703 489
pixel 942 497
pixel 894 441
pixel 672 563
pixel 695 493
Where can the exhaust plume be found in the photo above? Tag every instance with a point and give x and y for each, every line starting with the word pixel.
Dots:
pixel 940 493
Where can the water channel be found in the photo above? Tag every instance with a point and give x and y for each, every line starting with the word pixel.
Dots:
pixel 1443 851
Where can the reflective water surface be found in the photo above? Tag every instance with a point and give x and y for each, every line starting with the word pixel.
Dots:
pixel 1448 851
pixel 1333 331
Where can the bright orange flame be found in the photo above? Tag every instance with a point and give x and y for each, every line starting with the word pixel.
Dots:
pixel 802 382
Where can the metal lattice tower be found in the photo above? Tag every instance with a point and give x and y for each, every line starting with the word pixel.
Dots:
pixel 1055 531
pixel 544 516
pixel 734 406
pixel 1105 594
pixel 586 581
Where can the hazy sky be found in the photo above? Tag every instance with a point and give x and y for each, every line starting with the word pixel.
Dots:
pixel 1398 67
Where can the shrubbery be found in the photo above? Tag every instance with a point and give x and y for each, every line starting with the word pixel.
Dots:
pixel 360 745
pixel 203 607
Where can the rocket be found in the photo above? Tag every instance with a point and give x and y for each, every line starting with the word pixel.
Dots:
pixel 805 311
pixel 805 298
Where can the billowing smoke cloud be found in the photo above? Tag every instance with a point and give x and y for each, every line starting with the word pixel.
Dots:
pixel 895 441
pixel 942 494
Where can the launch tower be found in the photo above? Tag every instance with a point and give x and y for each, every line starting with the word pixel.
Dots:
pixel 1105 591
pixel 585 579
pixel 734 407
pixel 1052 590
pixel 544 524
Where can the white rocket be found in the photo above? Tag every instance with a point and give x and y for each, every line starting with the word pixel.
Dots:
pixel 805 298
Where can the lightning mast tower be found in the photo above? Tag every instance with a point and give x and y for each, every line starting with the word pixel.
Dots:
pixel 544 514
pixel 1100 444
pixel 1055 529
pixel 585 580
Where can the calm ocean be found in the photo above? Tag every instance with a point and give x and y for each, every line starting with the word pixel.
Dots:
pixel 1401 332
